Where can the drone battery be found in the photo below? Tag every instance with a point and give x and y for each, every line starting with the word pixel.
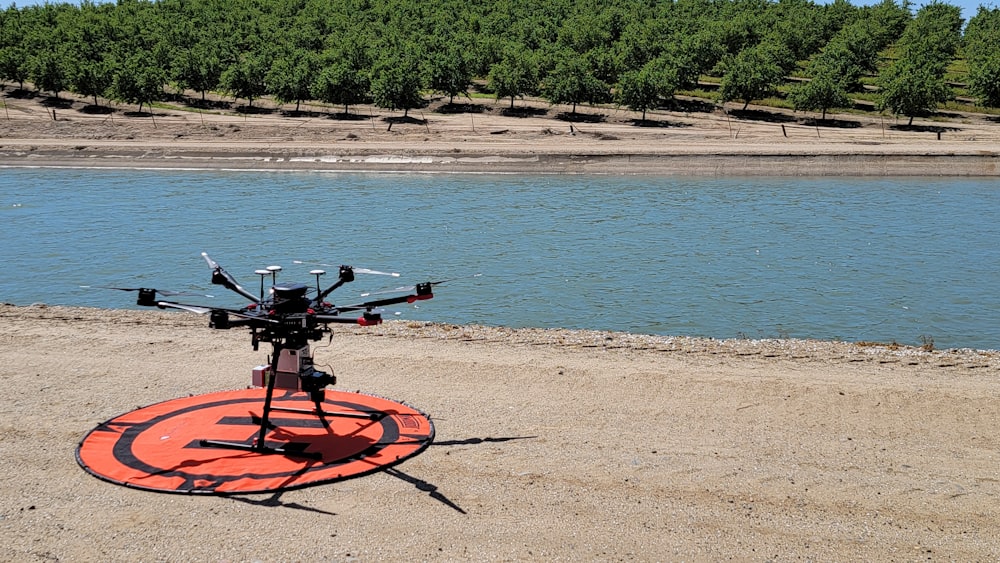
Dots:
pixel 283 381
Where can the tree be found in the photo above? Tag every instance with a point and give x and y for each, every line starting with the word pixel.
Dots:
pixel 198 69
pixel 914 84
pixel 572 82
pixel 823 92
pixel 910 88
pixel 14 61
pixel 91 78
pixel 981 39
pixel 48 71
pixel 658 79
pixel 449 72
pixel 291 76
pixel 138 80
pixel 14 65
pixel 750 75
pixel 984 80
pixel 340 83
pixel 246 77
pixel 638 90
pixel 514 76
pixel 396 83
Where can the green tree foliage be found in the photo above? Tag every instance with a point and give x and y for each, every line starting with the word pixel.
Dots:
pixel 138 80
pixel 396 82
pixel 291 76
pixel 14 64
pixel 91 78
pixel 48 70
pixel 246 77
pixel 656 81
pixel 982 48
pixel 822 93
pixel 197 68
pixel 514 76
pixel 910 88
pixel 573 82
pixel 254 48
pixel 340 83
pixel 449 71
pixel 639 90
pixel 750 75
pixel 344 76
pixel 914 84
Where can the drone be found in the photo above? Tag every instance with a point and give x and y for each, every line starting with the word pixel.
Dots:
pixel 288 316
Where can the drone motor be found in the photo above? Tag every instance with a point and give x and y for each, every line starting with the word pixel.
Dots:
pixel 147 297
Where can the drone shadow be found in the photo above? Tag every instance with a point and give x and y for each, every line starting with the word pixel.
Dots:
pixel 274 501
pixel 426 487
pixel 473 441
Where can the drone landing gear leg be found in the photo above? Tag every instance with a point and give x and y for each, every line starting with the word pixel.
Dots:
pixel 259 445
pixel 317 398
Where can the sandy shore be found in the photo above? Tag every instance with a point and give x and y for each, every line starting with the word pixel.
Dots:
pixel 696 138
pixel 551 445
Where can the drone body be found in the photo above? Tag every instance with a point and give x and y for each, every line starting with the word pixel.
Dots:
pixel 288 318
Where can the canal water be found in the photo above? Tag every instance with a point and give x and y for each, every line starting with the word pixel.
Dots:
pixel 884 259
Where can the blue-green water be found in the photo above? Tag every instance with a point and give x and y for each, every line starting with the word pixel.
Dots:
pixel 831 258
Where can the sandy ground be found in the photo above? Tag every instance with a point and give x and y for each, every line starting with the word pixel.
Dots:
pixel 694 137
pixel 551 446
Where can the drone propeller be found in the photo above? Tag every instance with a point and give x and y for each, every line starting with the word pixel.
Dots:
pixel 356 269
pixel 163 292
pixel 147 295
pixel 407 288
pixel 190 308
pixel 221 277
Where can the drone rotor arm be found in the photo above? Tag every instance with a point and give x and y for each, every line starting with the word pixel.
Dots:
pixel 366 319
pixel 423 292
pixel 221 277
pixel 356 270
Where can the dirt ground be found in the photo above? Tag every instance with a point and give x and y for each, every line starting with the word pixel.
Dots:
pixel 551 446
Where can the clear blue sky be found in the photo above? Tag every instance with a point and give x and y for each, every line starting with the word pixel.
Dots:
pixel 969 7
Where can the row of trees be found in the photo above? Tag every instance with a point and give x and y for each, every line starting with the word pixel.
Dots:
pixel 389 52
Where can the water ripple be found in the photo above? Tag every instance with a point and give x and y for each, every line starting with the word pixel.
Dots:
pixel 833 258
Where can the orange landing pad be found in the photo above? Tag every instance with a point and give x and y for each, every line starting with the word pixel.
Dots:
pixel 159 447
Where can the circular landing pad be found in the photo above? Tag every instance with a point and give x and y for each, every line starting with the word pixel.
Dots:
pixel 160 447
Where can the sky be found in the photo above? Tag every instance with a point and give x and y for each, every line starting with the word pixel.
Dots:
pixel 969 7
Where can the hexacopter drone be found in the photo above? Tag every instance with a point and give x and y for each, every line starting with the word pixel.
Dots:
pixel 288 318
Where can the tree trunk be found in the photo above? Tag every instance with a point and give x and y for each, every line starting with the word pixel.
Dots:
pixel 746 105
pixel 512 102
pixel 911 122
